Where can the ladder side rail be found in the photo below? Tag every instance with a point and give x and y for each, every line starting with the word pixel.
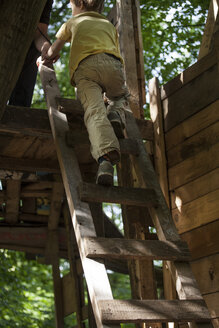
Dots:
pixel 95 272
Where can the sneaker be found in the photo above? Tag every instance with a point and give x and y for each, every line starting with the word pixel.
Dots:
pixel 105 174
pixel 116 123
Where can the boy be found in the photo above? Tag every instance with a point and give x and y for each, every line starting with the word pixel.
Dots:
pixel 96 67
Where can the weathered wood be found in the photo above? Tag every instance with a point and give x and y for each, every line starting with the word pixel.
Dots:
pixel 184 103
pixel 159 145
pixel 202 241
pixel 128 50
pixel 192 125
pixel 22 120
pixel 212 301
pixel 160 163
pixel 189 74
pixel 95 272
pixel 203 140
pixel 12 200
pixel 196 213
pixel 135 196
pixel 206 271
pixel 30 165
pixel 136 249
pixel 16 37
pixel 118 311
pixel 186 285
pixel 195 189
pixel 210 27
pixel 76 291
pixel 68 298
pixel 193 167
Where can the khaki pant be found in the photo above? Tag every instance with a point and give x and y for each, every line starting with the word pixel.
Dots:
pixel 95 75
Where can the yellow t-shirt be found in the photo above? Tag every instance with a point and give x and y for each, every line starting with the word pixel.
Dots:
pixel 89 33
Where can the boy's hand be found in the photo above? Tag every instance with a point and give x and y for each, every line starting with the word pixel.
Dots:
pixel 45 62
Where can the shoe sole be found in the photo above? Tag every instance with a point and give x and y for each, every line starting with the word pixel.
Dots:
pixel 105 179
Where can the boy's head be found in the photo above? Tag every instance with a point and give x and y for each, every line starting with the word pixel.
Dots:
pixel 89 5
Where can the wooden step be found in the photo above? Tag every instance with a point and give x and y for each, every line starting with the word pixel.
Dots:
pixel 117 195
pixel 130 249
pixel 136 311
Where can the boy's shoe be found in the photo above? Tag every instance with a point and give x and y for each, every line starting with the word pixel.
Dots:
pixel 116 123
pixel 105 174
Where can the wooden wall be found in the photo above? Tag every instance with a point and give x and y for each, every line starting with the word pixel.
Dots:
pixel 190 105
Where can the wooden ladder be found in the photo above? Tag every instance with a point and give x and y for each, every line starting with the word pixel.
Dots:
pixel 109 312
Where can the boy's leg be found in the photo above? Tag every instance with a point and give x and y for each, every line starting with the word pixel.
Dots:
pixel 101 134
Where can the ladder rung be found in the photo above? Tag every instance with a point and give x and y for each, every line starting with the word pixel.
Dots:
pixel 134 311
pixel 119 195
pixel 119 248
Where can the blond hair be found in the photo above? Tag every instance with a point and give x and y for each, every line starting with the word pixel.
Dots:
pixel 90 5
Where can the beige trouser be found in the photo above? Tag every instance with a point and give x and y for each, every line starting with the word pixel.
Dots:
pixel 95 75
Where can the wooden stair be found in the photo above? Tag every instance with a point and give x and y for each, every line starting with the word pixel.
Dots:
pixel 109 312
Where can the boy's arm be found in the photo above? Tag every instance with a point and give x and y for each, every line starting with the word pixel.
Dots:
pixel 53 52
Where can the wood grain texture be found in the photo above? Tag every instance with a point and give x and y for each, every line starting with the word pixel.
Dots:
pixel 192 125
pixel 150 311
pixel 203 241
pixel 136 249
pixel 184 103
pixel 120 195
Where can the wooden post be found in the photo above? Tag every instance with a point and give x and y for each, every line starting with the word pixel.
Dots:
pixel 12 200
pixel 211 27
pixel 16 36
pixel 129 29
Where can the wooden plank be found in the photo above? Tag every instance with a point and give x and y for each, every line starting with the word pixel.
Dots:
pixel 203 241
pixel 32 236
pixel 195 189
pixel 160 163
pixel 119 311
pixel 212 301
pixel 206 271
pixel 30 165
pixel 197 213
pixel 95 273
pixel 210 27
pixel 128 196
pixel 76 289
pixel 201 141
pixel 23 121
pixel 68 297
pixel 159 145
pixel 192 125
pixel 189 74
pixel 136 249
pixel 184 103
pixel 193 167
pixel 12 200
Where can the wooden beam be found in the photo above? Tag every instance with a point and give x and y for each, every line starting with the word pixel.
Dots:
pixel 136 249
pixel 30 165
pixel 211 27
pixel 127 196
pixel 16 37
pixel 22 120
pixel 133 311
pixel 12 200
